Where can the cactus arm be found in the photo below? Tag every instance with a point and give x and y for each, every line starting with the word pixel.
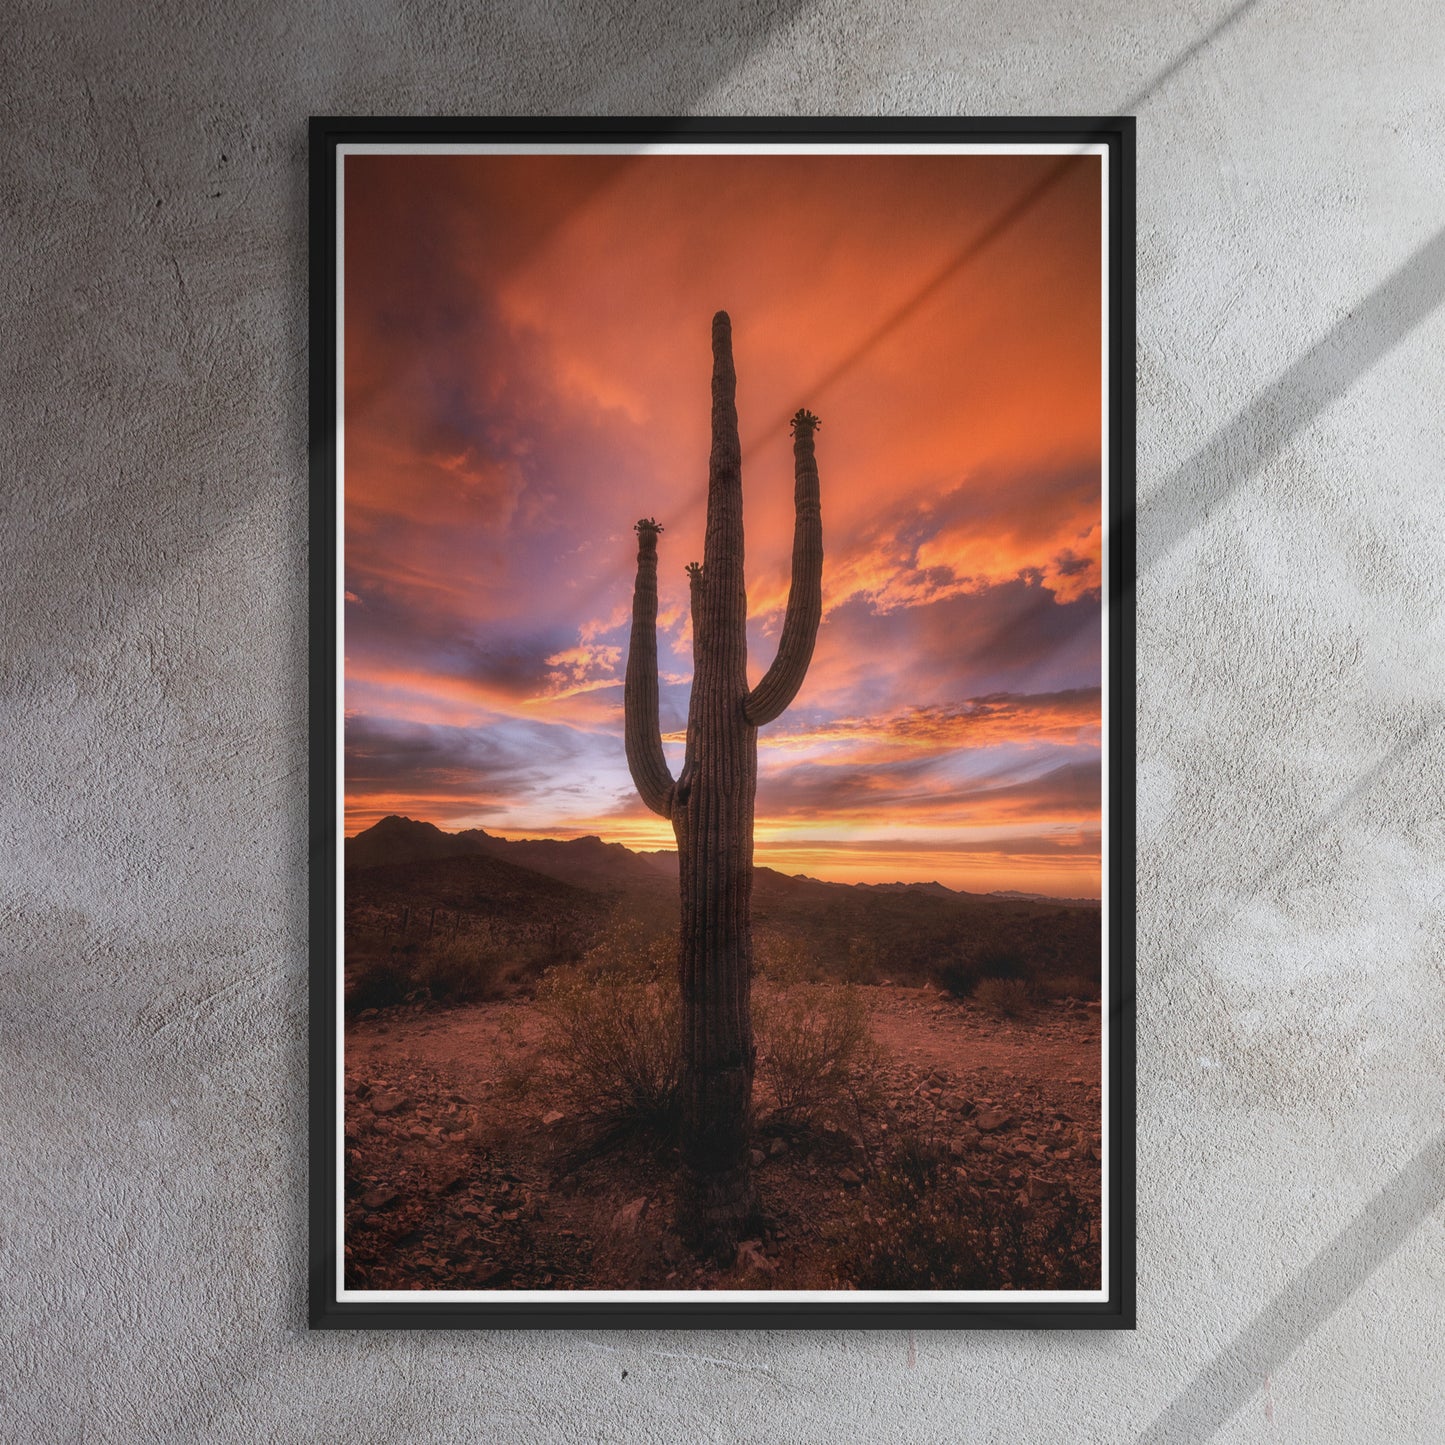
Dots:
pixel 780 684
pixel 684 779
pixel 642 732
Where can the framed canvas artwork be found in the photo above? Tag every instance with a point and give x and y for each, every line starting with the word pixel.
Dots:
pixel 722 723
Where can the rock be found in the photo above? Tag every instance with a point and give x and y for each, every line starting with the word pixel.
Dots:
pixel 379 1198
pixel 554 1117
pixel 1039 1189
pixel 850 1177
pixel 630 1215
pixel 989 1120
pixel 756 1157
pixel 389 1103
pixel 778 1146
pixel 751 1257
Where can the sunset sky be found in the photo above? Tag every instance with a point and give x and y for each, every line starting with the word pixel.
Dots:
pixel 527 362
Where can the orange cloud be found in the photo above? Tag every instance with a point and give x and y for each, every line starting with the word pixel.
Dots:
pixel 526 374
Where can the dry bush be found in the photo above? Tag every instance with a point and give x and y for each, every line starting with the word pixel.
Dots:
pixel 958 977
pixel 785 958
pixel 863 962
pixel 438 970
pixel 375 980
pixel 1005 998
pixel 461 970
pixel 613 1028
pixel 922 1227
pixel 521 1076
pixel 815 1052
pixel 963 973
pixel 1071 985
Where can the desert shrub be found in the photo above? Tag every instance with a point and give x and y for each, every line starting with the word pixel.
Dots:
pixel 613 1027
pixel 440 970
pixel 1071 985
pixel 963 972
pixel 521 1075
pixel 624 948
pixel 959 977
pixel 925 1228
pixel 815 1052
pixel 377 980
pixel 1005 998
pixel 863 962
pixel 785 958
pixel 461 970
pixel 1000 962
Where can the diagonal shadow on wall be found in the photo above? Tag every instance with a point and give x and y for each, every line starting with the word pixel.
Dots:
pixel 1167 73
pixel 1253 438
pixel 1304 837
pixel 1235 1374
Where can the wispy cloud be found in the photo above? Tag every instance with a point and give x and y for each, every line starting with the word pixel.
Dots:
pixel 526 374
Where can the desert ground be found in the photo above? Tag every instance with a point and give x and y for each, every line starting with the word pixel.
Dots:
pixel 469 1167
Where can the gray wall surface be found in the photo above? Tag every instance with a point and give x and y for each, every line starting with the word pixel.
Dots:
pixel 1292 626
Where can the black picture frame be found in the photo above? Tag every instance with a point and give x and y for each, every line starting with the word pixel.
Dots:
pixel 1117 1311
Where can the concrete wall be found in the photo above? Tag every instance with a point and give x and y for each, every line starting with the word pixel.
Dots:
pixel 1292 363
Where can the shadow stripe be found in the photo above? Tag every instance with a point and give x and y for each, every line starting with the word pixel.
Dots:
pixel 1207 480
pixel 1237 1373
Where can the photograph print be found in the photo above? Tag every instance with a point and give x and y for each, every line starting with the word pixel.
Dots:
pixel 726 694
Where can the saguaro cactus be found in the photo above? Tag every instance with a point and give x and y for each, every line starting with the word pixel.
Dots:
pixel 710 805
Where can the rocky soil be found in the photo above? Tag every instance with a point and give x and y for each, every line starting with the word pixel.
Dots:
pixel 465 1171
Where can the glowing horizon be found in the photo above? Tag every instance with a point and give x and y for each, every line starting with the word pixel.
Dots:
pixel 526 374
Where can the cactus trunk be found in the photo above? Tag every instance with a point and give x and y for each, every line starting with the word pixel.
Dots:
pixel 711 805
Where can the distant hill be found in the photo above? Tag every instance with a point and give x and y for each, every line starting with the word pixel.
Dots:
pixel 904 930
pixel 581 862
pixel 396 840
pixel 474 883
pixel 592 864
pixel 922 887
pixel 1010 893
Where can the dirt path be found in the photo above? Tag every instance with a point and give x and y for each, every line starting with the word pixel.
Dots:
pixel 921 1027
pixel 473 1045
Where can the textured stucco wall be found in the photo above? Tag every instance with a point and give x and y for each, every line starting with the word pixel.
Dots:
pixel 1292 363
